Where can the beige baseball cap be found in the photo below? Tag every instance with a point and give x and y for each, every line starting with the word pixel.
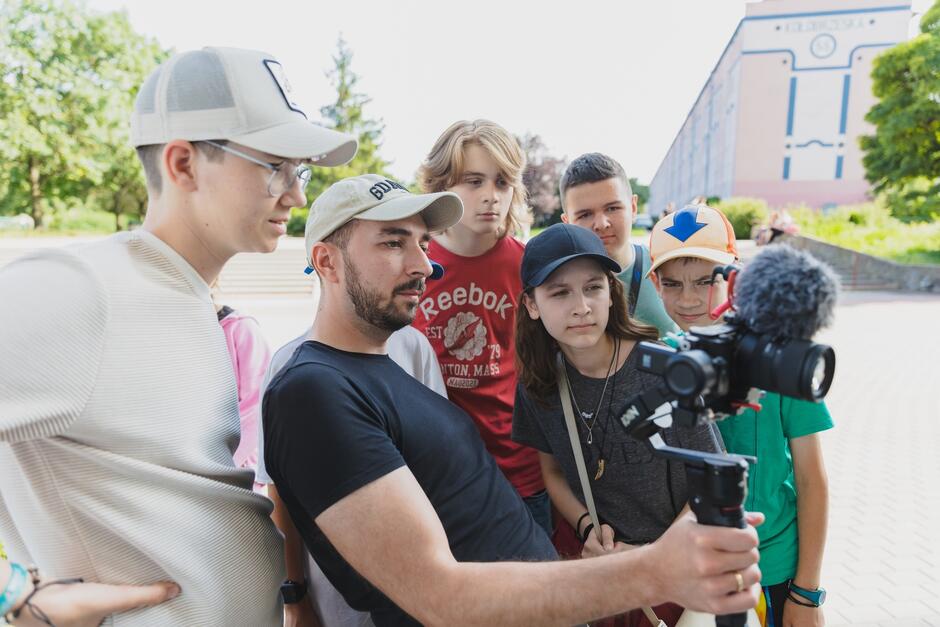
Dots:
pixel 239 95
pixel 693 231
pixel 375 197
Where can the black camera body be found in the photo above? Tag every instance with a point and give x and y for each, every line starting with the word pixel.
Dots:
pixel 715 368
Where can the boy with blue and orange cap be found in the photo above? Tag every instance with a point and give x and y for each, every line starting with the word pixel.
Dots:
pixel 789 483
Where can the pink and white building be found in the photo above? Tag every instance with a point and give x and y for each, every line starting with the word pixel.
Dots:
pixel 780 116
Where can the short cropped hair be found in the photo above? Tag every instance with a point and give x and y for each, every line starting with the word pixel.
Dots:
pixel 151 154
pixel 341 236
pixel 591 167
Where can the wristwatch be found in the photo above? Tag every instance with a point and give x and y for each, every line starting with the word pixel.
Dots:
pixel 816 597
pixel 293 591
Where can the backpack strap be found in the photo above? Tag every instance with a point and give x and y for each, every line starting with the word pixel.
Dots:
pixel 636 279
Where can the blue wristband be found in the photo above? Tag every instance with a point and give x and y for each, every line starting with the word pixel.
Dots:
pixel 14 588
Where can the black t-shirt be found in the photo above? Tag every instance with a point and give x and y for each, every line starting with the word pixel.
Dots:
pixel 638 494
pixel 335 421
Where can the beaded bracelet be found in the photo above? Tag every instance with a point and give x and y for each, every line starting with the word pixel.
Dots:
pixel 13 589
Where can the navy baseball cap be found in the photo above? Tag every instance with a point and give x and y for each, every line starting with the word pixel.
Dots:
pixel 557 245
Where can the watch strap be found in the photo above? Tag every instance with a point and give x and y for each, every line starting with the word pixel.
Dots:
pixel 293 591
pixel 805 603
pixel 815 597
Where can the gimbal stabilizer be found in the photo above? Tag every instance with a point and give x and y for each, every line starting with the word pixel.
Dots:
pixel 717 482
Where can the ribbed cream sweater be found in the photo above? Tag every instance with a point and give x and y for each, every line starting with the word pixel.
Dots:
pixel 118 419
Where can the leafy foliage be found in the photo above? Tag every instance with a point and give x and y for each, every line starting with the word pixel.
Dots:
pixel 68 78
pixel 346 114
pixel 744 214
pixel 870 228
pixel 902 158
pixel 643 194
pixel 540 177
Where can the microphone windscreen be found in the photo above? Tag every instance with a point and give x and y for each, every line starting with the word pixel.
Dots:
pixel 786 292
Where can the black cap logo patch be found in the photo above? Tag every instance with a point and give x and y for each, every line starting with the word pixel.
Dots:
pixel 280 78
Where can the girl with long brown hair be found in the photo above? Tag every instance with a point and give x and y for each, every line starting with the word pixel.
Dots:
pixel 574 303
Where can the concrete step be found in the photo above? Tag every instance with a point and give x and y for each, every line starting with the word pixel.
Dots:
pixel 250 274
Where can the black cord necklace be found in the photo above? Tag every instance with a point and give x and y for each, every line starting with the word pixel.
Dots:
pixel 603 450
pixel 593 416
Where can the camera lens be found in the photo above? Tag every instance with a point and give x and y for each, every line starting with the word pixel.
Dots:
pixel 819 368
pixel 795 368
pixel 689 373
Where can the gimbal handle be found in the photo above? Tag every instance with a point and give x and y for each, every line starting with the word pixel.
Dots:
pixel 717 482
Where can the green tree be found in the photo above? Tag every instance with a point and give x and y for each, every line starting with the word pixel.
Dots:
pixel 346 114
pixel 643 194
pixel 68 78
pixel 540 177
pixel 902 158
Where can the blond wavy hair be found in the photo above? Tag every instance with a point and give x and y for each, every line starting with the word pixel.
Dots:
pixel 445 165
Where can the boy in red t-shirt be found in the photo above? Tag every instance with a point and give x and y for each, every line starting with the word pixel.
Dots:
pixel 470 314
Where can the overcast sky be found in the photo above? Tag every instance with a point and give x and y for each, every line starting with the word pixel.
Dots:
pixel 617 77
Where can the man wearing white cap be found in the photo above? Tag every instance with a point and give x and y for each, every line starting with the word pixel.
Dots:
pixel 390 485
pixel 118 404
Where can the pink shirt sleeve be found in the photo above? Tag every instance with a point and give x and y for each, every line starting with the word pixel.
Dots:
pixel 250 357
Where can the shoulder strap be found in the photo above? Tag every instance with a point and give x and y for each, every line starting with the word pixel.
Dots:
pixel 564 391
pixel 222 313
pixel 637 277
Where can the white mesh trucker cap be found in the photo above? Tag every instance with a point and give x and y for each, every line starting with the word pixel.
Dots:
pixel 239 95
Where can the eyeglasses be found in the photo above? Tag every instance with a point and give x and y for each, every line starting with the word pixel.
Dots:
pixel 283 176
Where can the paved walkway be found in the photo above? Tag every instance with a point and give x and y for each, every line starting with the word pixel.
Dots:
pixel 882 564
pixel 882 561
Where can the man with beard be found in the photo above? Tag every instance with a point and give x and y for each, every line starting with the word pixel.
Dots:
pixel 389 483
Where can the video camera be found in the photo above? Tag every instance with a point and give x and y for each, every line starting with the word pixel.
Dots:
pixel 715 368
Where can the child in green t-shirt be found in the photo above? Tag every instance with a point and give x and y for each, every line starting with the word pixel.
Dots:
pixel 789 483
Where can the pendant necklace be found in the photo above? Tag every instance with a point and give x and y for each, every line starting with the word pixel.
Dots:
pixel 601 465
pixel 592 416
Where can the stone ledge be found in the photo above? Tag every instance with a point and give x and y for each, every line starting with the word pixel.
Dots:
pixel 862 268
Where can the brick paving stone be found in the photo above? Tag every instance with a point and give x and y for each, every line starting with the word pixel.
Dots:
pixel 907 577
pixel 918 592
pixel 906 609
pixel 871 612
